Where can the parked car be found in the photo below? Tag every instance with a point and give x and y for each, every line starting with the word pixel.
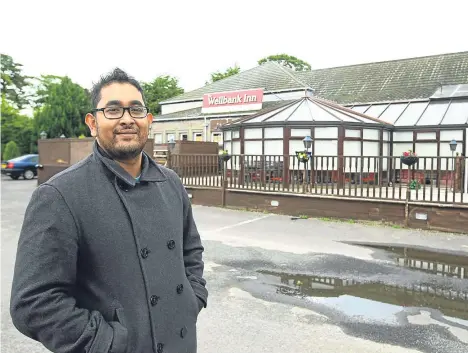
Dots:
pixel 24 166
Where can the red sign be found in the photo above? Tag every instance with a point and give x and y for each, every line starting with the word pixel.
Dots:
pixel 233 98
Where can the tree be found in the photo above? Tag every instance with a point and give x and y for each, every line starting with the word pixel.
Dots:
pixel 62 106
pixel 160 89
pixel 13 83
pixel 11 151
pixel 289 61
pixel 216 76
pixel 16 127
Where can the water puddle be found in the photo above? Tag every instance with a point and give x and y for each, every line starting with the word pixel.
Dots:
pixel 454 265
pixel 374 301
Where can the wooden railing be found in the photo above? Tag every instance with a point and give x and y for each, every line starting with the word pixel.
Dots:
pixel 431 179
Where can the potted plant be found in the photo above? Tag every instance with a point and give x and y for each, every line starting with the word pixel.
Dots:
pixel 409 158
pixel 414 184
pixel 224 155
pixel 302 156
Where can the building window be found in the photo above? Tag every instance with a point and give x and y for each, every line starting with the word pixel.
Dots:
pixel 216 137
pixel 197 136
pixel 170 136
pixel 158 138
pixel 183 136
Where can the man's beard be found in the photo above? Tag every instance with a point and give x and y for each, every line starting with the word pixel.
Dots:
pixel 123 152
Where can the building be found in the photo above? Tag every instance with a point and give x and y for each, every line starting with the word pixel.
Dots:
pixel 411 94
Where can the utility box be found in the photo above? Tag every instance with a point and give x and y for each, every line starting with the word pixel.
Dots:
pixel 58 154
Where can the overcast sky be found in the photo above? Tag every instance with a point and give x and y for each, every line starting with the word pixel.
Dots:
pixel 190 39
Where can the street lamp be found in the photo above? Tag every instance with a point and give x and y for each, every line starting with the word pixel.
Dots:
pixel 171 144
pixel 453 147
pixel 307 144
pixel 43 135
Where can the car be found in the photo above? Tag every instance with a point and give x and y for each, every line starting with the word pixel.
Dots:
pixel 25 166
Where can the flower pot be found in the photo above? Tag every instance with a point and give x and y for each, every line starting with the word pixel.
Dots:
pixel 409 160
pixel 225 157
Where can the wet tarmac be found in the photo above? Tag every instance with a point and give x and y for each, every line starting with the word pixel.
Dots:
pixel 429 314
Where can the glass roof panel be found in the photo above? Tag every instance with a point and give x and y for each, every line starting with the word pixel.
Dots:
pixel 457 113
pixel 262 117
pixel 340 115
pixel 360 108
pixel 393 112
pixel 411 114
pixel 375 110
pixel 319 114
pixel 283 115
pixel 302 113
pixel 433 114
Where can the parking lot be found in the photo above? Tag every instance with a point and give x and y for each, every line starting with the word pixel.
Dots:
pixel 280 284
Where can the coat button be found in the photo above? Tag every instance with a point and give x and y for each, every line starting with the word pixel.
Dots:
pixel 160 348
pixel 154 300
pixel 183 332
pixel 171 244
pixel 180 288
pixel 144 253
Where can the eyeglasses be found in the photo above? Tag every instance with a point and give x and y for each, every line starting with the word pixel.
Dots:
pixel 116 112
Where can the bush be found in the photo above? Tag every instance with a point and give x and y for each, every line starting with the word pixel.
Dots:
pixel 11 151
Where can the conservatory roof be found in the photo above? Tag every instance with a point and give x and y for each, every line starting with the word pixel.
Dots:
pixel 427 112
pixel 309 110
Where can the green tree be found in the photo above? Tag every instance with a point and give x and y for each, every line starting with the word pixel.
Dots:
pixel 11 151
pixel 216 76
pixel 287 60
pixel 13 83
pixel 16 127
pixel 61 108
pixel 160 89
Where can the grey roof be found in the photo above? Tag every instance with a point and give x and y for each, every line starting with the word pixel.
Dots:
pixel 427 112
pixel 393 80
pixel 309 110
pixel 269 76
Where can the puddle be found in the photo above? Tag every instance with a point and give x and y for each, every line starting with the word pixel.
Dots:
pixel 454 265
pixel 384 302
pixel 375 301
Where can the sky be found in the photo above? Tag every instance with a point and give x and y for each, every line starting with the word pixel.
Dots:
pixel 191 39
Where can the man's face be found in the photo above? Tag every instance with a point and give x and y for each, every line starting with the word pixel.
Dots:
pixel 123 138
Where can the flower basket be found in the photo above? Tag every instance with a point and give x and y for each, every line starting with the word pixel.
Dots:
pixel 303 157
pixel 224 156
pixel 409 158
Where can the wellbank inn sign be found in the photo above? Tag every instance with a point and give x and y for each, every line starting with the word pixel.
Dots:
pixel 233 101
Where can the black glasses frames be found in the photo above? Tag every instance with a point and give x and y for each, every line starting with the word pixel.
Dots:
pixel 117 112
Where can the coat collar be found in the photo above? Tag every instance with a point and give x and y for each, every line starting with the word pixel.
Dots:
pixel 149 172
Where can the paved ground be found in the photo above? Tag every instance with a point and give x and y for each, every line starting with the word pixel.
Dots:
pixel 283 285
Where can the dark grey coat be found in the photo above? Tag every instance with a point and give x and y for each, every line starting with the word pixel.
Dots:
pixel 107 265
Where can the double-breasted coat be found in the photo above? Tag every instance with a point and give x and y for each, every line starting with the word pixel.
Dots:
pixel 107 264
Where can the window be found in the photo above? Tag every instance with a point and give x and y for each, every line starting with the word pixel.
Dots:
pixel 158 138
pixel 183 136
pixel 197 136
pixel 170 136
pixel 216 137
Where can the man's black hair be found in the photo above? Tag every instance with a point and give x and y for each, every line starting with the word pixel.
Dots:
pixel 115 76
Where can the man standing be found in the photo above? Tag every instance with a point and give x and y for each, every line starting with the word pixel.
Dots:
pixel 109 257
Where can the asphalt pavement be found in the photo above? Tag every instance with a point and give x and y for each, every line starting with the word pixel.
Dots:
pixel 281 284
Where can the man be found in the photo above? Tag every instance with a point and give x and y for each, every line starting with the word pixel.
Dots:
pixel 109 257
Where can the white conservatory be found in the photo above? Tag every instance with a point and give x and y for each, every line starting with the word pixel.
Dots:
pixel 370 137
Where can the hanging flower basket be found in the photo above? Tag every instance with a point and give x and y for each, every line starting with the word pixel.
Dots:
pixel 302 156
pixel 409 158
pixel 224 156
